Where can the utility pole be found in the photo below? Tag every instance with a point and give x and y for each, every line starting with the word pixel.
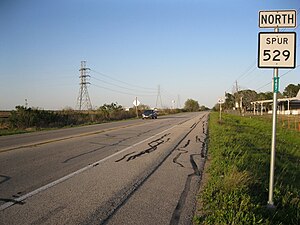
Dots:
pixel 178 102
pixel 220 116
pixel 241 105
pixel 136 107
pixel 158 98
pixel 83 100
pixel 238 97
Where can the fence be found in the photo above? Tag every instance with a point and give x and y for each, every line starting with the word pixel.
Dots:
pixel 291 122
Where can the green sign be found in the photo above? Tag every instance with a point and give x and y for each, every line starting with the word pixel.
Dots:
pixel 276 84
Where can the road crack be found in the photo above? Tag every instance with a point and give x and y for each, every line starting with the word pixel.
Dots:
pixel 182 151
pixel 153 145
pixel 181 202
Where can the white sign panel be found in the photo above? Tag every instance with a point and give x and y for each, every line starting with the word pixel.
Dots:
pixel 221 101
pixel 280 19
pixel 136 102
pixel 277 50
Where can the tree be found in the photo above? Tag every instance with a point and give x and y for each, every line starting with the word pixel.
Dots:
pixel 229 101
pixel 143 107
pixel 110 108
pixel 203 108
pixel 107 111
pixel 191 105
pixel 248 96
pixel 291 90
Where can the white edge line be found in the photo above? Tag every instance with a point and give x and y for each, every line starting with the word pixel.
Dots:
pixel 60 180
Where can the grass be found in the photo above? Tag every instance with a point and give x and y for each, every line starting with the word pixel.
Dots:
pixel 237 189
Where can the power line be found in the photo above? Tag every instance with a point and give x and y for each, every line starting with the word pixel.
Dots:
pixel 119 86
pixel 264 86
pixel 117 80
pixel 120 92
pixel 249 70
pixel 289 71
pixel 279 77
pixel 245 73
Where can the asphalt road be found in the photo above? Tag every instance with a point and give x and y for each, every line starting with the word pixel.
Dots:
pixel 128 172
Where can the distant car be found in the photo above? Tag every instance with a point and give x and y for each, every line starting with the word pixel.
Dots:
pixel 149 114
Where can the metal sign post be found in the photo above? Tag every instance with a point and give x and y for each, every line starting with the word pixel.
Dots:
pixel 273 145
pixel 136 104
pixel 220 112
pixel 276 50
pixel 220 101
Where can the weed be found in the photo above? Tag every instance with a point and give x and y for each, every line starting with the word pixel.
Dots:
pixel 237 191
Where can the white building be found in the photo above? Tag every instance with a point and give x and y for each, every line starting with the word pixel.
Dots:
pixel 286 106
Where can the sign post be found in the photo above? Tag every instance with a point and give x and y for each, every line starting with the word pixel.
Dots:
pixel 136 104
pixel 273 145
pixel 276 50
pixel 220 101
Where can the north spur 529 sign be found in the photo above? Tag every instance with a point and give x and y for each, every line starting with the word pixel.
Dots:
pixel 277 50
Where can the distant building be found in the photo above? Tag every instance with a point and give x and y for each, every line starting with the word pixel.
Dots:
pixel 286 106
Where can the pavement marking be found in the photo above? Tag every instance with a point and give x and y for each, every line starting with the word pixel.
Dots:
pixel 60 180
pixel 34 144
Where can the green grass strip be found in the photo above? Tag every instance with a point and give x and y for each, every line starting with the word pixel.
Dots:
pixel 237 189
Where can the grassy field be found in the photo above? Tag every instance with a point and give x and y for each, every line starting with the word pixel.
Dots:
pixel 239 162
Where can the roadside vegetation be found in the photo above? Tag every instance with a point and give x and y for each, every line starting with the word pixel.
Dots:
pixel 237 188
pixel 26 119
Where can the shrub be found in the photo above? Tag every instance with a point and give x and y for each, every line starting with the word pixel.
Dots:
pixel 24 117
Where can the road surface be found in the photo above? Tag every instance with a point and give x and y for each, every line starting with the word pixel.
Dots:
pixel 128 172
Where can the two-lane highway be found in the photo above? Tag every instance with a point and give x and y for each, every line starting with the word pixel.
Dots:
pixel 87 175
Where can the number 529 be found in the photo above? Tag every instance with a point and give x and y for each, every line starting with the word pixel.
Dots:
pixel 276 55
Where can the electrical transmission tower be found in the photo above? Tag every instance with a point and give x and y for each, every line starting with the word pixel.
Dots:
pixel 83 100
pixel 158 98
pixel 178 102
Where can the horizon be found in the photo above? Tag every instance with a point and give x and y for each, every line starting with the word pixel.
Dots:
pixel 177 50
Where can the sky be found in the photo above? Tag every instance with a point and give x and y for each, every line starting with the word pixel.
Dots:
pixel 161 51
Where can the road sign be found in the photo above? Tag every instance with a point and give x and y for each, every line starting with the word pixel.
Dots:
pixel 277 50
pixel 277 19
pixel 276 84
pixel 136 102
pixel 221 101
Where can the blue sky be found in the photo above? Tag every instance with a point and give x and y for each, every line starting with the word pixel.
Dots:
pixel 191 48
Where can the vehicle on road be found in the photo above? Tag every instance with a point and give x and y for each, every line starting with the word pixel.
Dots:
pixel 149 114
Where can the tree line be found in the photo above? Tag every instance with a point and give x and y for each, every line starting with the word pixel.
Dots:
pixel 245 97
pixel 27 117
pixel 24 117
